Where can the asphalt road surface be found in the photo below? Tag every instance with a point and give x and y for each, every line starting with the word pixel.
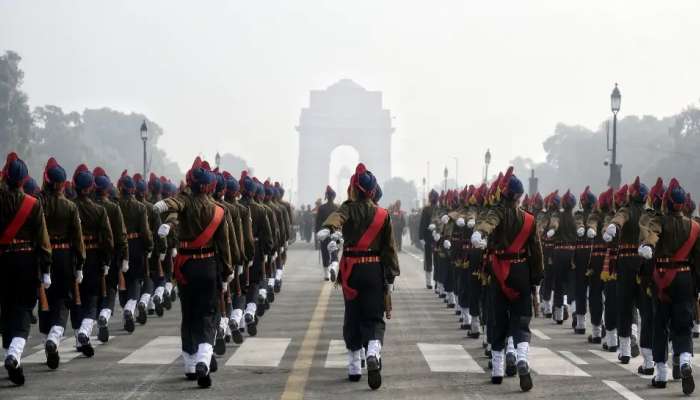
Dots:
pixel 299 354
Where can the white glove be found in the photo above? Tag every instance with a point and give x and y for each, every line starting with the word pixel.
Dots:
pixel 646 252
pixel 148 255
pixel 422 242
pixel 471 223
pixel 106 270
pixel 332 246
pixel 390 288
pixel 224 286
pixel 239 270
pixel 250 263
pixel 79 276
pixel 445 219
pixel 460 222
pixel 161 257
pixel 274 256
pixel 125 266
pixel 160 207
pixel 46 281
pixel 436 236
pixel 173 253
pixel 337 235
pixel 447 244
pixel 607 237
pixel 281 250
pixel 265 258
pixel 431 227
pixel 611 230
pixel 323 234
pixel 580 232
pixel 163 230
pixel 591 233
pixel 550 233
pixel 230 278
pixel 477 240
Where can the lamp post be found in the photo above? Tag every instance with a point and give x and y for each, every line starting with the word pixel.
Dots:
pixel 144 138
pixel 445 175
pixel 456 172
pixel 217 160
pixel 615 168
pixel 487 161
pixel 532 183
pixel 424 192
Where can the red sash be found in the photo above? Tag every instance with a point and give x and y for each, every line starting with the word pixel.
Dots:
pixel 663 279
pixel 501 268
pixel 348 263
pixel 199 242
pixel 19 219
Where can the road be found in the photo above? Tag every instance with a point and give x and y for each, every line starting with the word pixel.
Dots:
pixel 425 355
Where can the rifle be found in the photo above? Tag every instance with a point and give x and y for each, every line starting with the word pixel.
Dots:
pixel 387 304
pixel 76 292
pixel 122 281
pixel 535 302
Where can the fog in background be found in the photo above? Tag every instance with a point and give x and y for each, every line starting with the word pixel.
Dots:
pixel 460 77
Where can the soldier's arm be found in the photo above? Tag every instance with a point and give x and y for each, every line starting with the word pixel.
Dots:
pixel 490 221
pixel 593 221
pixel 535 259
pixel 387 253
pixel 233 242
pixel 579 221
pixel 175 205
pixel 161 244
pixel 106 238
pixel 249 238
pixel 238 228
pixel 119 232
pixel 76 237
pixel 650 229
pixel 337 219
pixel 223 249
pixel 41 238
pixel 266 238
pixel 621 217
pixel 145 231
pixel 553 223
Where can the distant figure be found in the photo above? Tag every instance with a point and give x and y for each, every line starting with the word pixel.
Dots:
pixel 398 223
pixel 308 223
pixel 324 211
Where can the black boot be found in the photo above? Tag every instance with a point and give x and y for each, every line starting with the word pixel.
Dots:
pixel 213 365
pixel 14 371
pixel 658 384
pixel 687 379
pixel 235 332
pixel 525 378
pixel 129 321
pixel 84 345
pixel 159 306
pixel 203 377
pixel 374 375
pixel 167 302
pixel 219 343
pixel 52 357
pixel 511 369
pixel 594 340
pixel 645 371
pixel 102 330
pixel 251 324
pixel 141 315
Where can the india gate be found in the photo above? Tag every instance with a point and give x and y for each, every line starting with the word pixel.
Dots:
pixel 344 114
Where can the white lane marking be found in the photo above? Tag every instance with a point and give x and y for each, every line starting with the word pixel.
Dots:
pixel 612 357
pixel 162 350
pixel 415 256
pixel 66 351
pixel 621 390
pixel 448 358
pixel 260 352
pixel 547 362
pixel 337 354
pixel 573 357
pixel 540 334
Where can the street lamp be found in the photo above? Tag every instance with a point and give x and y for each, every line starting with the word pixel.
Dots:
pixel 445 175
pixel 456 172
pixel 487 161
pixel 144 138
pixel 217 159
pixel 423 191
pixel 615 168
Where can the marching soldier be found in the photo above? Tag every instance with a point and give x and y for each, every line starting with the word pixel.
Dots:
pixel 671 240
pixel 425 235
pixel 516 265
pixel 626 222
pixel 367 271
pixel 140 243
pixel 24 247
pixel 99 247
pixel 291 235
pixel 325 210
pixel 68 256
pixel 398 219
pixel 582 257
pixel 562 230
pixel 120 260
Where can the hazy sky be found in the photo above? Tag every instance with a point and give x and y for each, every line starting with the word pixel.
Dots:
pixel 459 76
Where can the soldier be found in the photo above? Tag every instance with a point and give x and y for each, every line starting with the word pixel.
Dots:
pixel 262 235
pixel 99 247
pixel 562 230
pixel 425 230
pixel 140 241
pixel 595 224
pixel 68 256
pixel 291 236
pixel 398 219
pixel 24 247
pixel 322 214
pixel 203 241
pixel 168 189
pixel 547 286
pixel 626 222
pixel 367 271
pixel 475 257
pixel 582 257
pixel 120 260
pixel 517 268
pixel 672 242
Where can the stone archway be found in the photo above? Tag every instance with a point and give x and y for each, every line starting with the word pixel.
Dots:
pixel 344 114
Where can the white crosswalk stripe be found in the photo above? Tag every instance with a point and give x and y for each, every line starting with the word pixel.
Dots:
pixel 546 362
pixel 260 352
pixel 337 354
pixel 573 357
pixel 612 357
pixel 448 358
pixel 162 350
pixel 66 351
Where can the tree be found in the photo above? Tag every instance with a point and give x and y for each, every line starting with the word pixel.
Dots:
pixel 15 118
pixel 234 164
pixel 399 189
